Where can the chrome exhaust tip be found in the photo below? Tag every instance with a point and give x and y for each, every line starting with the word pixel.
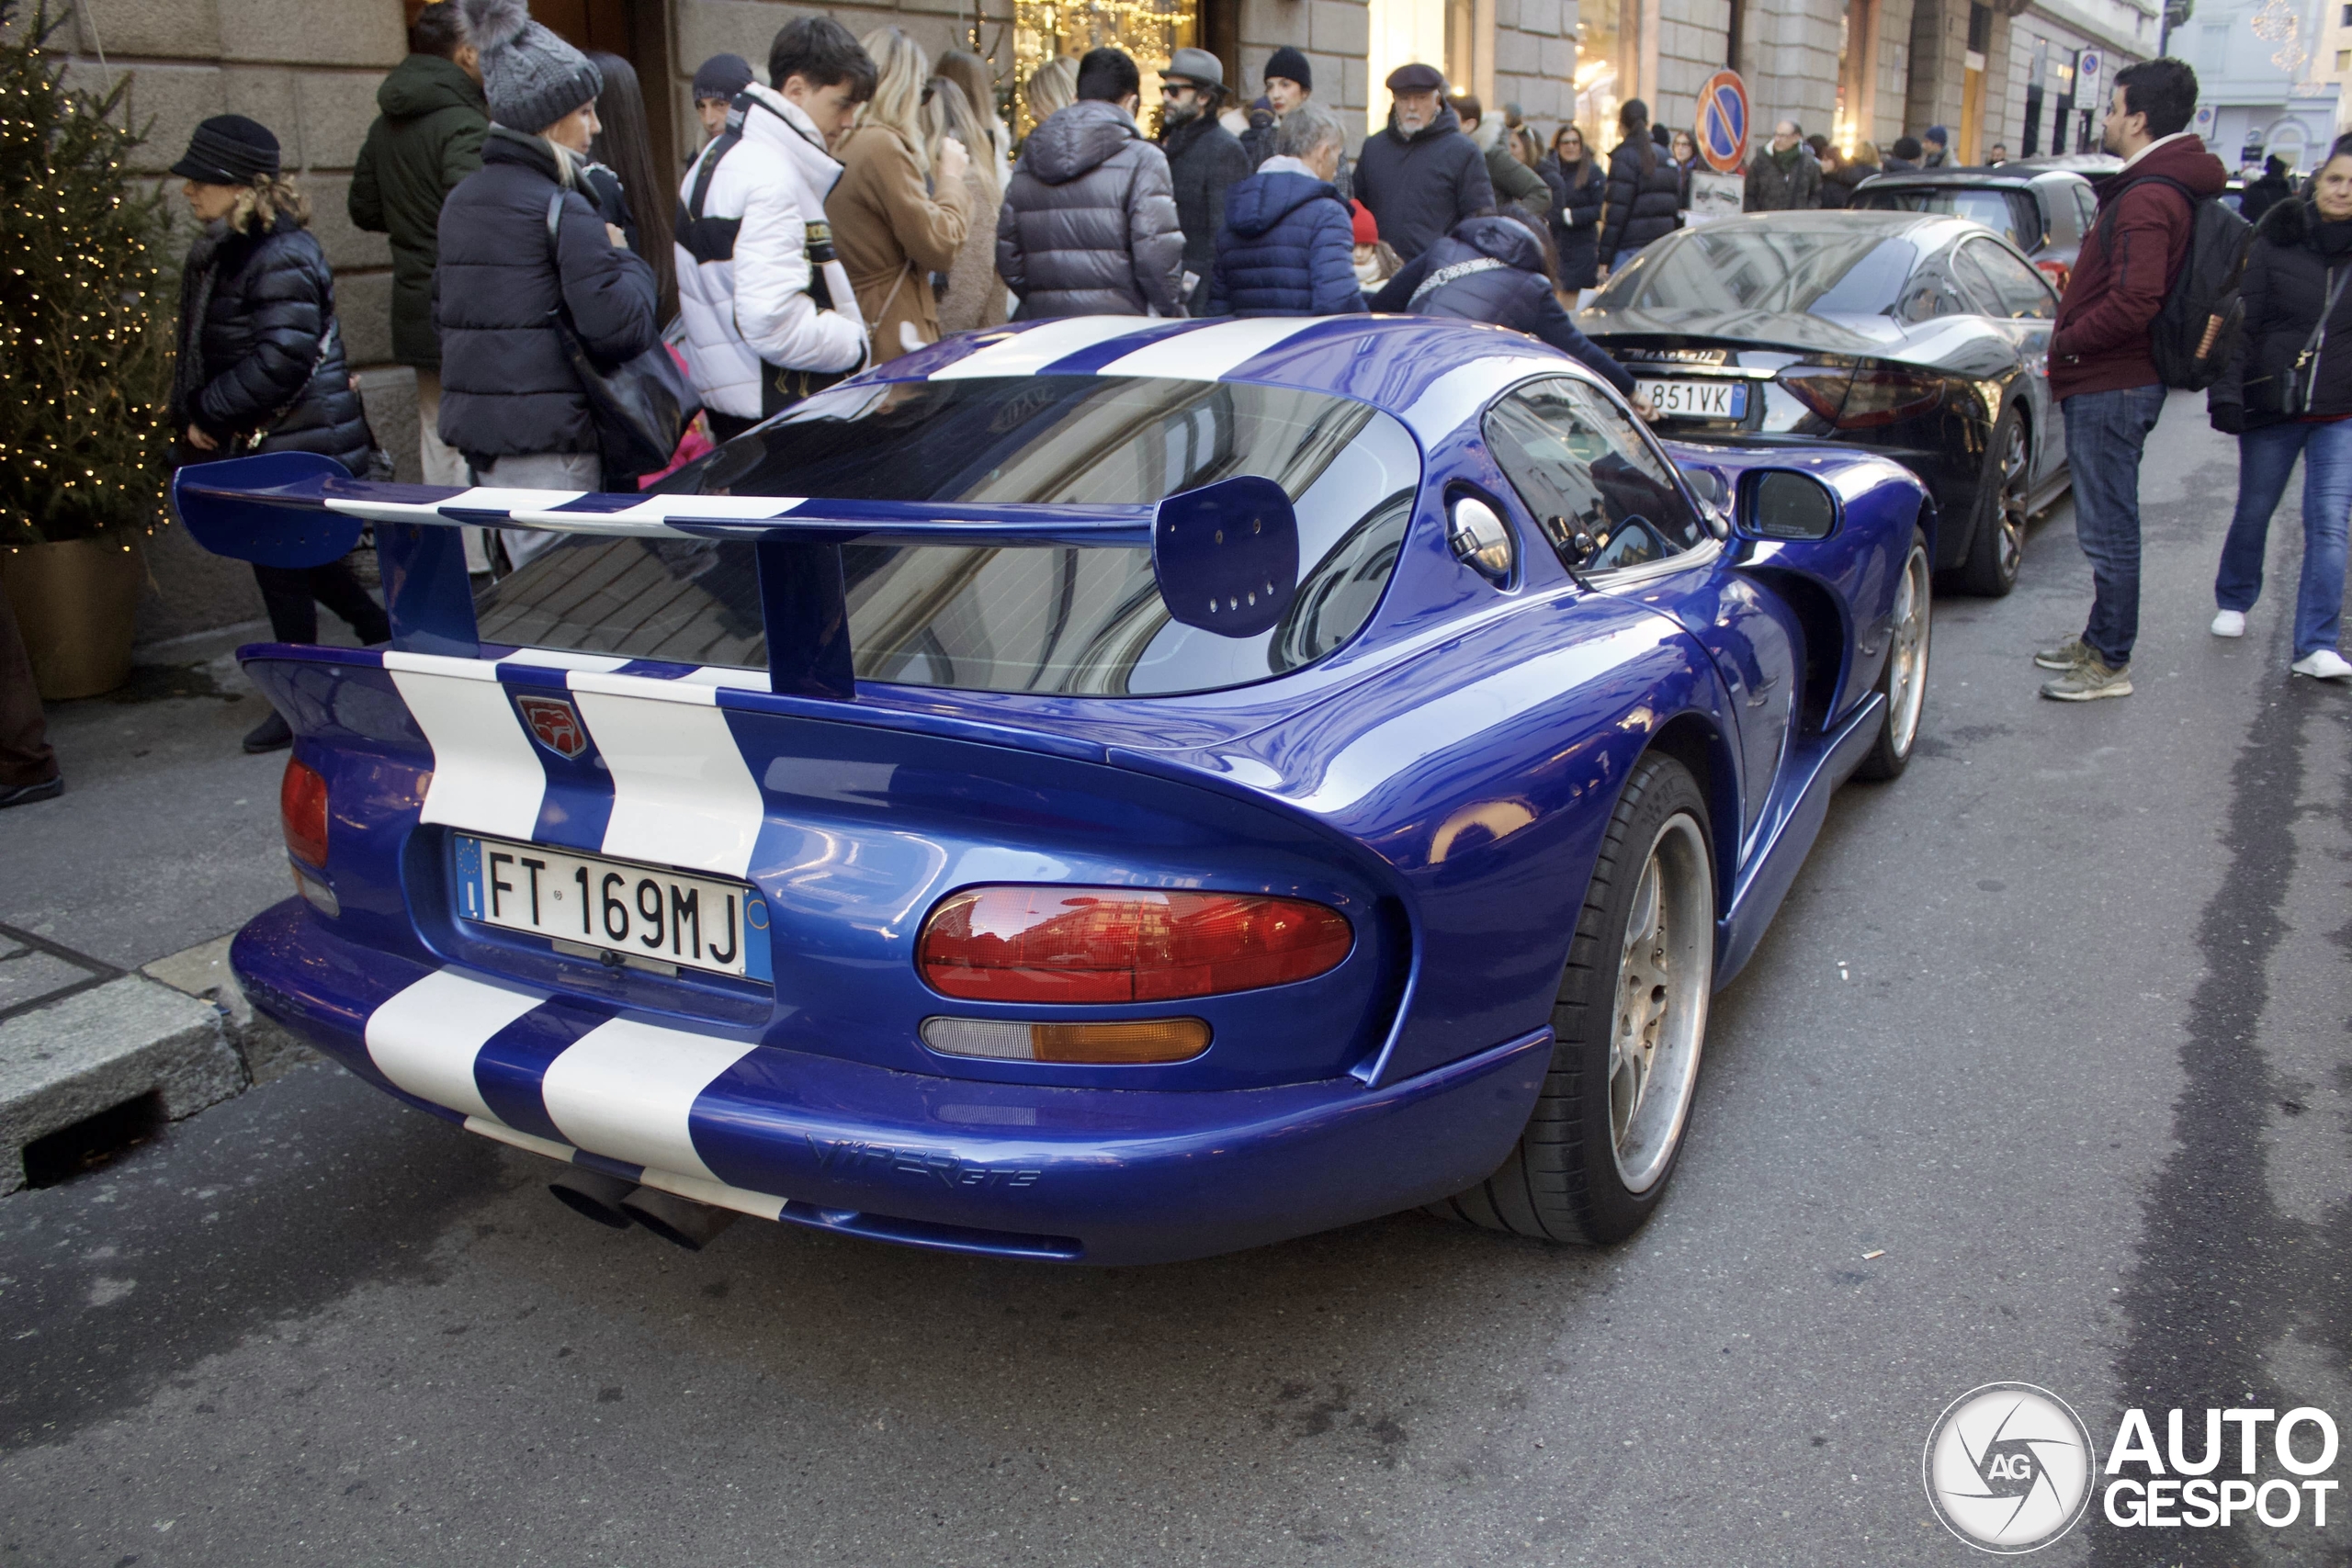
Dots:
pixel 682 1220
pixel 595 1194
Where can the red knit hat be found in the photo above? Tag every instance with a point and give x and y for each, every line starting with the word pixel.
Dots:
pixel 1367 232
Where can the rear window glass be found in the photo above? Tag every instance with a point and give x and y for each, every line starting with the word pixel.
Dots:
pixel 2011 214
pixel 1826 269
pixel 1048 618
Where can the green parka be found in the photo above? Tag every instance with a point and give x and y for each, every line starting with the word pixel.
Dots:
pixel 426 140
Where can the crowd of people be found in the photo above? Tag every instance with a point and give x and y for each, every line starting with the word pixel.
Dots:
pixel 866 200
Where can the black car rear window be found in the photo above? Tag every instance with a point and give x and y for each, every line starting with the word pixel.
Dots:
pixel 2013 214
pixel 1826 269
pixel 1047 619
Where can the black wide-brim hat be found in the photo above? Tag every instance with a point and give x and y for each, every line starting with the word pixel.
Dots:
pixel 228 150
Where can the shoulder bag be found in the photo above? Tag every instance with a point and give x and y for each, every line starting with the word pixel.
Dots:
pixel 641 405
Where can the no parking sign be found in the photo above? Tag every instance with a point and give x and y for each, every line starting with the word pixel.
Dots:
pixel 1723 121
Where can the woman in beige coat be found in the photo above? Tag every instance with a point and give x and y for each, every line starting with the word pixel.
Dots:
pixel 975 296
pixel 889 231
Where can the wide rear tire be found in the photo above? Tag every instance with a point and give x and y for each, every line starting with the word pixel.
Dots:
pixel 1630 1025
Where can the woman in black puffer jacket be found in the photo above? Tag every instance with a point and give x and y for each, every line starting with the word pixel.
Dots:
pixel 1577 184
pixel 510 399
pixel 261 365
pixel 1497 269
pixel 1643 198
pixel 2297 290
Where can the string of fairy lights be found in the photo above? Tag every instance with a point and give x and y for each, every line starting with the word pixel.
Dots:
pixel 83 357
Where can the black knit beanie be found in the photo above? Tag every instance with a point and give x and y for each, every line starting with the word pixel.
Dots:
pixel 228 150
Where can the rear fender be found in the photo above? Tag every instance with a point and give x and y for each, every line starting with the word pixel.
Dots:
pixel 1483 776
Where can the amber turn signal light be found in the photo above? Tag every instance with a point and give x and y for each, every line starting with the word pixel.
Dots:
pixel 1129 1043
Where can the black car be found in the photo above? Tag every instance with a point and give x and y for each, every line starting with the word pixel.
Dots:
pixel 2044 212
pixel 1922 336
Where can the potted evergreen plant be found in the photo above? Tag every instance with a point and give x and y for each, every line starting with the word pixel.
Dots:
pixel 85 365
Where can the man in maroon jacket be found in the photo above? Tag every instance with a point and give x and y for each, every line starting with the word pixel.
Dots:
pixel 2101 368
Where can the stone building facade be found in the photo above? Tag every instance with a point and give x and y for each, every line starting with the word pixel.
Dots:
pixel 1855 69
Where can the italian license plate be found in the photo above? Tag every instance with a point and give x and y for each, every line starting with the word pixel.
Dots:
pixel 1697 400
pixel 612 907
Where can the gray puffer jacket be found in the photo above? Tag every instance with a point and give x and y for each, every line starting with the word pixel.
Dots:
pixel 1088 227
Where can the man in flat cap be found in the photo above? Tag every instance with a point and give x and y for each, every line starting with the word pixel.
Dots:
pixel 1420 176
pixel 1203 158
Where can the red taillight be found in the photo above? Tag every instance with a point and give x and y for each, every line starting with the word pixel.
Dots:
pixel 1122 944
pixel 302 803
pixel 1859 400
pixel 1882 397
pixel 1821 388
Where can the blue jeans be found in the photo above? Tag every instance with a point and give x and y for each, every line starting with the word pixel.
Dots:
pixel 2105 433
pixel 1617 263
pixel 2266 458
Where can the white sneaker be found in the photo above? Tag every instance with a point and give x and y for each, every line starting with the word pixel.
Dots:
pixel 2326 665
pixel 2229 623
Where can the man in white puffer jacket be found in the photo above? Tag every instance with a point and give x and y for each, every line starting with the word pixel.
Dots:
pixel 769 314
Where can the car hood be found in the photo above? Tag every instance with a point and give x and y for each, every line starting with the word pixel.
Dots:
pixel 1878 335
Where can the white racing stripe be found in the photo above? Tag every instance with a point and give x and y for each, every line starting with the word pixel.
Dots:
pixel 486 774
pixel 1025 353
pixel 1210 353
pixel 564 658
pixel 717 1194
pixel 682 796
pixel 1453 397
pixel 426 1038
pixel 702 508
pixel 534 1144
pixel 626 1089
pixel 724 675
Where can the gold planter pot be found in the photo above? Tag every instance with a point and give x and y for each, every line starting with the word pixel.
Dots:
pixel 74 602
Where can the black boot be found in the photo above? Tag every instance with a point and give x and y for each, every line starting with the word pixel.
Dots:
pixel 272 734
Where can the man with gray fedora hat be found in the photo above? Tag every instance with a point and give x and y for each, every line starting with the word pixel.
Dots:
pixel 1203 158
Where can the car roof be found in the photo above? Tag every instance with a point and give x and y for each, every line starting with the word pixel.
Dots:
pixel 2006 177
pixel 1430 372
pixel 1933 227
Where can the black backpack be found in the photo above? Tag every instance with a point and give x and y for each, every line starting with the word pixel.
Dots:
pixel 2195 336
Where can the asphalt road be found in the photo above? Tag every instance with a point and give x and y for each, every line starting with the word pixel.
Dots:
pixel 2042 1073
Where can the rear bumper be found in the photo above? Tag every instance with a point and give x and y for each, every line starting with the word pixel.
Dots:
pixel 1095 1176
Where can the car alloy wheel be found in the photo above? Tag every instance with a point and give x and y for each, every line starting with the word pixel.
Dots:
pixel 1907 686
pixel 1997 539
pixel 2012 518
pixel 1663 981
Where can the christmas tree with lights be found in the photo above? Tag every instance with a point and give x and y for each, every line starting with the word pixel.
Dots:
pixel 85 336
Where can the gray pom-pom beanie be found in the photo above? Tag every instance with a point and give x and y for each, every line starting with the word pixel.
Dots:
pixel 531 77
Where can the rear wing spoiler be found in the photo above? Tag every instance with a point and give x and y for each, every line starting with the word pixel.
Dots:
pixel 1226 554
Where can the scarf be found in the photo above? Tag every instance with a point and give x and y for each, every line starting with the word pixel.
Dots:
pixel 1787 160
pixel 2330 240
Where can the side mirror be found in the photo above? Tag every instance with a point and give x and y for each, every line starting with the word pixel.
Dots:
pixel 1481 539
pixel 1784 504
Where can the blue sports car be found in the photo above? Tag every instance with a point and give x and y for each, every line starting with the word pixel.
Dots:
pixel 1099 791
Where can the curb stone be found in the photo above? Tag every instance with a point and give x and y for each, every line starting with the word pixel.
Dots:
pixel 270 1050
pixel 103 1046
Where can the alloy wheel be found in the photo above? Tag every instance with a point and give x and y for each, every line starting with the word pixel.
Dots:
pixel 1906 683
pixel 1665 974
